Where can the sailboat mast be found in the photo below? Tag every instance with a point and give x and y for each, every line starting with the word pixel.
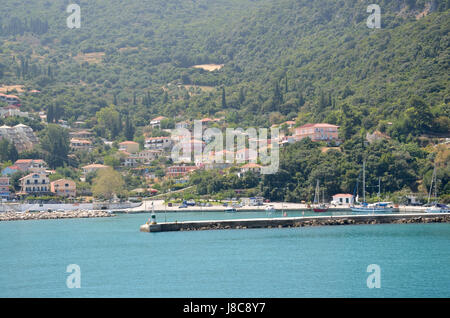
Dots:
pixel 379 186
pixel 364 181
pixel 435 184
pixel 431 186
pixel 316 193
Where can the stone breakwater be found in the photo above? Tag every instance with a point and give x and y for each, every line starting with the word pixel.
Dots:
pixel 14 216
pixel 298 222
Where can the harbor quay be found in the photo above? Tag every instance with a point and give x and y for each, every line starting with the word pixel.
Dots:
pixel 290 222
pixel 158 206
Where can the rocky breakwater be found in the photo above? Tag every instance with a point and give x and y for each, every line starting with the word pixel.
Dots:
pixel 15 216
pixel 298 222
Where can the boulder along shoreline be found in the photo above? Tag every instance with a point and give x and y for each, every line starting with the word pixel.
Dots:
pixel 15 216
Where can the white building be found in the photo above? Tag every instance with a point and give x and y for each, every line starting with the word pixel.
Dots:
pixel 342 198
pixel 157 143
pixel 156 122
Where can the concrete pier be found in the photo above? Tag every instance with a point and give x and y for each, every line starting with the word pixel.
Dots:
pixel 286 222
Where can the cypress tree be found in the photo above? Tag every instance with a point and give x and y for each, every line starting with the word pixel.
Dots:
pixel 50 114
pixel 224 100
pixel 277 96
pixel 129 129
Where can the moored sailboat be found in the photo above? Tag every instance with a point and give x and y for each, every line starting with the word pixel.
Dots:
pixel 319 207
pixel 436 207
pixel 374 207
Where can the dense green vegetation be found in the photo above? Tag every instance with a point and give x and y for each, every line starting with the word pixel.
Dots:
pixel 312 61
pixel 280 58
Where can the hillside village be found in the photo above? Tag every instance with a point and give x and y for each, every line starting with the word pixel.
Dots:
pixel 143 166
pixel 104 110
pixel 147 162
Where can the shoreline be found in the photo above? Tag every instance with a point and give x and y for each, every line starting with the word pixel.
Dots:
pixel 24 216
pixel 159 207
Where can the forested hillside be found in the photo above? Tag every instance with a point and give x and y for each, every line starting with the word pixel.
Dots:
pixel 311 61
pixel 321 49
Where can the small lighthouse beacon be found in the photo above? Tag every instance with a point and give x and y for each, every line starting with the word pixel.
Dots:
pixel 153 216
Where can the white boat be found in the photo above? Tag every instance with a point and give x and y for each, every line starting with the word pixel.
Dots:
pixel 270 208
pixel 230 210
pixel 374 207
pixel 439 208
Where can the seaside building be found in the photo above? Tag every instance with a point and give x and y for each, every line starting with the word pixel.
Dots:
pixel 35 183
pixel 4 187
pixel 342 198
pixel 317 132
pixel 253 201
pixel 64 188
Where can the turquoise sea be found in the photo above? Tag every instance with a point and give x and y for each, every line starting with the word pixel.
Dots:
pixel 116 260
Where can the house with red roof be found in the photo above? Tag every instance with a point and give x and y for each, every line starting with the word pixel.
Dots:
pixel 317 132
pixel 10 170
pixel 10 99
pixel 179 171
pixel 31 164
pixel 4 187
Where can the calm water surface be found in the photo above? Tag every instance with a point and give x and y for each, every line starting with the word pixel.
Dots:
pixel 117 260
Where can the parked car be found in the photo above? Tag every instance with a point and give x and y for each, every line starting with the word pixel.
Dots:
pixel 189 203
